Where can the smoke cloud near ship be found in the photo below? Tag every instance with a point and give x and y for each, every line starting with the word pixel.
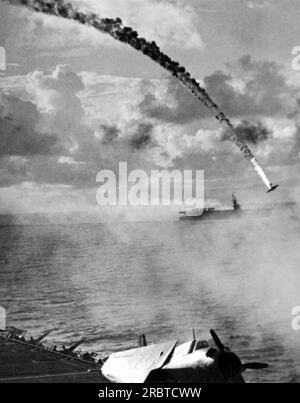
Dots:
pixel 115 28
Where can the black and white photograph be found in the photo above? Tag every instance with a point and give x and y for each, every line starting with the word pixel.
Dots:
pixel 149 194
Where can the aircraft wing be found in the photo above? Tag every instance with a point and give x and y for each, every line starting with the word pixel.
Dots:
pixel 134 366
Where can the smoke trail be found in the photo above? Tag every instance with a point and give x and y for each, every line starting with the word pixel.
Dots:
pixel 115 28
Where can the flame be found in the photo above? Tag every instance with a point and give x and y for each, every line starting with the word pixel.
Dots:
pixel 261 173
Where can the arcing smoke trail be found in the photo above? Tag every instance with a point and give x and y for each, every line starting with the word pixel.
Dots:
pixel 127 35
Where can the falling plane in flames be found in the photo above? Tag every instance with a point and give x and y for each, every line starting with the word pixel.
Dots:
pixel 115 28
pixel 193 362
pixel 273 187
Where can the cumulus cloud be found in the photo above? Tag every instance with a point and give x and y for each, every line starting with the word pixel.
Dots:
pixel 88 122
pixel 257 95
pixel 56 94
pixel 169 101
pixel 57 91
pixel 43 128
pixel 62 80
pixel 246 89
pixel 81 142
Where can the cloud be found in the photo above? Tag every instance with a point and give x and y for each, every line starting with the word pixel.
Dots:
pixel 62 80
pixel 257 95
pixel 250 133
pixel 56 94
pixel 45 127
pixel 246 89
pixel 23 28
pixel 108 133
pixel 57 91
pixel 283 147
pixel 139 134
pixel 148 16
pixel 142 137
pixel 19 129
pixel 82 140
pixel 95 121
pixel 169 101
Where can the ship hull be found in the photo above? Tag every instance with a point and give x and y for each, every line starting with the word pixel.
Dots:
pixel 228 215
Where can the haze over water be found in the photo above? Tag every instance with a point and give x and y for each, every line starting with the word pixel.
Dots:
pixel 108 282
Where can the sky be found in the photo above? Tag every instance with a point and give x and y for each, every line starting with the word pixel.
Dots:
pixel 73 101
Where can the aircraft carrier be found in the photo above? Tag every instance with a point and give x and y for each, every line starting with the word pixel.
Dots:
pixel 30 361
pixel 211 213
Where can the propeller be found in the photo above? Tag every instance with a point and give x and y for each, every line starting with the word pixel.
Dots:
pixel 228 362
pixel 217 340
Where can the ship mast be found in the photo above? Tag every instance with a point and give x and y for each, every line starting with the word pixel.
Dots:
pixel 235 204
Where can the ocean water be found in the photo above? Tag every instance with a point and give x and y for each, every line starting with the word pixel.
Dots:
pixel 109 282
